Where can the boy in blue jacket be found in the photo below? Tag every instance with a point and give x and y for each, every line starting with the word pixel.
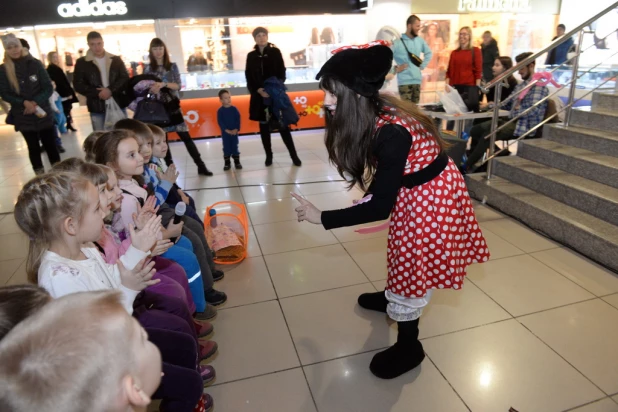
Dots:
pixel 228 118
pixel 412 55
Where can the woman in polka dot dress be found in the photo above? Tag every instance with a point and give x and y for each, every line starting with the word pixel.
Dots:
pixel 433 233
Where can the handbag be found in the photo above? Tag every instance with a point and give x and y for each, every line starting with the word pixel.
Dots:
pixel 151 110
pixel 417 61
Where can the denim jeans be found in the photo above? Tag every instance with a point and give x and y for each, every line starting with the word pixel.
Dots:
pixel 98 120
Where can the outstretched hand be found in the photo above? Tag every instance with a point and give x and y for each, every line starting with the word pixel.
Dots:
pixel 140 277
pixel 307 211
pixel 146 212
pixel 146 238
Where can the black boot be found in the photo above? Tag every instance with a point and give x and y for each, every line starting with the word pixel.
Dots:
pixel 373 301
pixel 237 164
pixel 266 142
pixel 286 136
pixel 203 170
pixel 70 124
pixel 403 356
pixel 228 164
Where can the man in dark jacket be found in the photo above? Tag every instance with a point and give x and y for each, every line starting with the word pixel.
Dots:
pixel 490 54
pixel 559 54
pixel 263 62
pixel 100 76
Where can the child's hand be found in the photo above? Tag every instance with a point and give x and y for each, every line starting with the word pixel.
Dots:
pixel 146 238
pixel 173 230
pixel 140 277
pixel 170 175
pixel 185 199
pixel 161 247
pixel 145 213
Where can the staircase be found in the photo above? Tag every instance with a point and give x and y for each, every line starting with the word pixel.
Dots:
pixel 564 185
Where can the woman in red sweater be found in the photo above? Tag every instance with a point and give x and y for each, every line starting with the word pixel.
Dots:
pixel 465 69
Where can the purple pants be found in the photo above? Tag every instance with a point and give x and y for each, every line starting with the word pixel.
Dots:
pixel 173 281
pixel 163 312
pixel 181 385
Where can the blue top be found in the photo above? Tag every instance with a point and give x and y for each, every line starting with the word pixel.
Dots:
pixel 161 188
pixel 411 75
pixel 228 118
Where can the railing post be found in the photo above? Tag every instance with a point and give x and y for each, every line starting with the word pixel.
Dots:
pixel 567 117
pixel 494 126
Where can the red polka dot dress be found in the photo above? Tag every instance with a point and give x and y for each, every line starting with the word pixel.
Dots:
pixel 434 235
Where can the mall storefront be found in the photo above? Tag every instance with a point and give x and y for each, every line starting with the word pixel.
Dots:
pixel 211 51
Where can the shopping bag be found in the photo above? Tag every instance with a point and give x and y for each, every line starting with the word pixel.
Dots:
pixel 452 102
pixel 113 113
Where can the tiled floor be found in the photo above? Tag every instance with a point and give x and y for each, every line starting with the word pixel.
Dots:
pixel 535 329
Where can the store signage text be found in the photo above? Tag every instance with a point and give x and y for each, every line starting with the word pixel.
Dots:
pixel 496 6
pixel 96 8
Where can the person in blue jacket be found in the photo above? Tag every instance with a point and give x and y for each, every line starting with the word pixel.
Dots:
pixel 559 55
pixel 228 118
pixel 412 55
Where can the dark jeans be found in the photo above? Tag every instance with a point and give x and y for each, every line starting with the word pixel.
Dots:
pixel 67 105
pixel 181 385
pixel 191 148
pixel 48 138
pixel 480 144
pixel 286 136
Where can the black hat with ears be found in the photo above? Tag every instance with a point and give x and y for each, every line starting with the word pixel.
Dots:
pixel 361 68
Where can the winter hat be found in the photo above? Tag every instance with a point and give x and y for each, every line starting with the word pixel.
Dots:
pixel 360 68
pixel 9 40
pixel 259 30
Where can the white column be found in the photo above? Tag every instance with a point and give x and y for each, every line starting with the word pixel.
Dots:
pixel 387 13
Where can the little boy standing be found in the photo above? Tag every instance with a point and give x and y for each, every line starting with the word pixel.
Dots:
pixel 228 118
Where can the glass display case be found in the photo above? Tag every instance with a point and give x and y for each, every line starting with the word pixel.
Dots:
pixel 207 80
pixel 589 80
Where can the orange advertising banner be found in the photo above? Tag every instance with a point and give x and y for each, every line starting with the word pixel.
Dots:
pixel 201 114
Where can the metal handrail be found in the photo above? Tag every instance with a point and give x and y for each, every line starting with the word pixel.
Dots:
pixel 551 46
pixel 498 82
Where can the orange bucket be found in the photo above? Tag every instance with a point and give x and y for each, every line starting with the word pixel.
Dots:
pixel 233 216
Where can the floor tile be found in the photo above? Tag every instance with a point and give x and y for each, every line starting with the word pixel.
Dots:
pixel 254 340
pixel 499 366
pixel 312 270
pixel 287 236
pixel 592 277
pixel 335 200
pixel 8 269
pixel 485 213
pixel 347 385
pixel 271 211
pixel 208 197
pixel 13 246
pixel 246 283
pixel 219 181
pixel 19 277
pixel 349 234
pixel 318 188
pixel 330 324
pixel 584 334
pixel 498 247
pixel 258 177
pixel 370 255
pixel 8 198
pixel 612 300
pixel 523 285
pixel 8 226
pixel 312 171
pixel 253 248
pixel 605 405
pixel 519 235
pixel 262 193
pixel 282 391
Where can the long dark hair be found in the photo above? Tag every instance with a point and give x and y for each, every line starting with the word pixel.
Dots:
pixel 167 64
pixel 507 63
pixel 351 130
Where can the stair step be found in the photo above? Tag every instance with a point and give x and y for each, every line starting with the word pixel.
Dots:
pixel 591 197
pixel 581 231
pixel 605 101
pixel 581 162
pixel 595 118
pixel 598 141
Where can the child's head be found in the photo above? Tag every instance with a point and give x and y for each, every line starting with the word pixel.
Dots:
pixel 114 189
pixel 82 352
pixel 88 145
pixel 119 150
pixel 17 302
pixel 57 206
pixel 225 97
pixel 96 174
pixel 159 146
pixel 142 134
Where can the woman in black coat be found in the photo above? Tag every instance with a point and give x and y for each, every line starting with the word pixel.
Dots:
pixel 263 62
pixel 26 86
pixel 63 86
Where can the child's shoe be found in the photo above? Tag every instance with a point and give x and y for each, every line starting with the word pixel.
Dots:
pixel 207 373
pixel 214 297
pixel 208 349
pixel 228 164
pixel 206 404
pixel 237 164
pixel 202 328
pixel 210 312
